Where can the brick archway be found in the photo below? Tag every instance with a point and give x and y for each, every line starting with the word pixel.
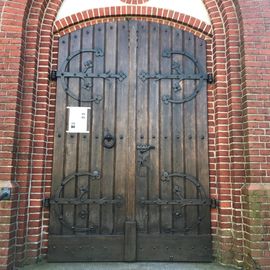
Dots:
pixel 135 2
pixel 176 19
pixel 27 155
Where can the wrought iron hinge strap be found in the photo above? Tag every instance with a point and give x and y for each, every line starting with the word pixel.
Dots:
pixel 53 75
pixel 179 76
pixel 81 198
pixel 75 201
pixel 158 76
pixel 46 202
pixel 86 75
pixel 183 202
pixel 214 203
pixel 210 78
pixel 166 177
pixel 81 75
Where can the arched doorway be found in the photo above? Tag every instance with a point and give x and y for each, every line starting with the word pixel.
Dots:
pixel 134 184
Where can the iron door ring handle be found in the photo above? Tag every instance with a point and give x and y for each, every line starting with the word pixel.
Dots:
pixel 109 141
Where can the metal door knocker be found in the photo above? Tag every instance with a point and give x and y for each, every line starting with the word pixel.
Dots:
pixel 109 141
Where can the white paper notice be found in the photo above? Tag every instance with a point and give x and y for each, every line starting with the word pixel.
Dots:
pixel 77 122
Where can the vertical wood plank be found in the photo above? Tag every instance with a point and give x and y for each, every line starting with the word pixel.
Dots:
pixel 154 116
pixel 202 139
pixel 109 127
pixel 84 139
pixel 69 211
pixel 178 133
pixel 97 128
pixel 121 156
pixel 132 121
pixel 165 130
pixel 142 124
pixel 130 241
pixel 190 135
pixel 59 137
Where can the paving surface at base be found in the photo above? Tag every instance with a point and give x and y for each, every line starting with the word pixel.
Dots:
pixel 127 266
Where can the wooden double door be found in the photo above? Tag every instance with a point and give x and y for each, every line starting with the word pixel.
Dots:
pixel 134 185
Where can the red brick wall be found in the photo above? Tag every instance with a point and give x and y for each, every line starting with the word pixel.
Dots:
pixel 255 85
pixel 255 53
pixel 12 36
pixel 238 106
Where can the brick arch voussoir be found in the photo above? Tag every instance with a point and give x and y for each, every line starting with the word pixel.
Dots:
pixel 134 2
pixel 85 18
pixel 226 24
pixel 39 19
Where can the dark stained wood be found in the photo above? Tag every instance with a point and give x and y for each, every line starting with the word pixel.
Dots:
pixel 69 211
pixel 121 155
pixel 105 248
pixel 190 135
pixel 133 111
pixel 165 138
pixel 84 139
pixel 178 134
pixel 130 241
pixel 97 127
pixel 107 182
pixel 131 150
pixel 202 139
pixel 174 248
pixel 142 124
pixel 153 126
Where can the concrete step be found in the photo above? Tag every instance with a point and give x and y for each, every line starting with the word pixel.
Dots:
pixel 127 266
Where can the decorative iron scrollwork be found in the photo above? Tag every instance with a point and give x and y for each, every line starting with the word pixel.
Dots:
pixel 166 177
pixel 80 199
pixel 83 214
pixel 180 200
pixel 143 154
pixel 86 75
pixel 178 76
pixel 142 148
